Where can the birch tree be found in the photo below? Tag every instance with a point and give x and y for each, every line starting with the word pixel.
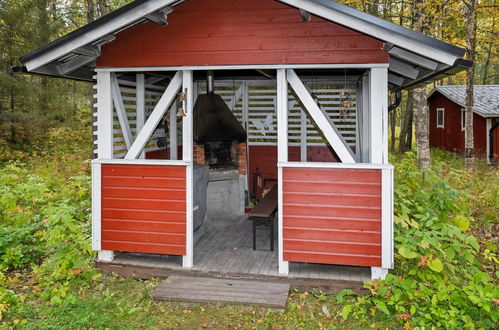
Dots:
pixel 469 149
pixel 421 110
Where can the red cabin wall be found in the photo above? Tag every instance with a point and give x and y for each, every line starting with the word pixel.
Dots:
pixel 265 159
pixel 234 32
pixel 144 208
pixel 332 216
pixel 451 137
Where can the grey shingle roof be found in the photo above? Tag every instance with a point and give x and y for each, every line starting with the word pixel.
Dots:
pixel 486 102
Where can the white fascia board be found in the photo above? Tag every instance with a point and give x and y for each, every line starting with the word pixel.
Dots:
pixel 244 67
pixel 105 29
pixel 373 31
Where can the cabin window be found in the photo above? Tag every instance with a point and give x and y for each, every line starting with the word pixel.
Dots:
pixel 440 117
pixel 463 119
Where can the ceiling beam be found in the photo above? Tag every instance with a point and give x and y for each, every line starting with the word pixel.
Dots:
pixel 89 50
pixel 305 16
pixel 403 68
pixel 396 80
pixel 75 64
pixel 413 58
pixel 160 17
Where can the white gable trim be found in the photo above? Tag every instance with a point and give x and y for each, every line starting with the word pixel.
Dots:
pixel 373 31
pixel 110 27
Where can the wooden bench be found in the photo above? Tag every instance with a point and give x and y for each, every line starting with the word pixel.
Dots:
pixel 263 214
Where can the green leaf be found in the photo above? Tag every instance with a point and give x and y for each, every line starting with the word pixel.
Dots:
pixel 381 305
pixel 436 265
pixel 407 253
pixel 346 311
pixel 461 222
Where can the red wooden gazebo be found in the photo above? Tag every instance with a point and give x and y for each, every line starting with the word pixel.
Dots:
pixel 307 80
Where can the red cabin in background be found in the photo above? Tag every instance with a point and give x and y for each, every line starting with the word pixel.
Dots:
pixel 447 120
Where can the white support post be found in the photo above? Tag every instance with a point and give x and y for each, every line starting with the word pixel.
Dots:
pixel 173 131
pixel 141 106
pixel 104 151
pixel 106 256
pixel 378 104
pixel 245 118
pixel 282 156
pixel 365 133
pixel 187 136
pixel 155 117
pixel 358 126
pixel 378 151
pixel 96 207
pixel 121 111
pixel 104 116
pixel 322 120
pixel 303 136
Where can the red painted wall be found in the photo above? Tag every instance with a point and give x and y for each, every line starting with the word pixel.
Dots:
pixel 332 216
pixel 144 208
pixel 451 137
pixel 235 32
pixel 265 159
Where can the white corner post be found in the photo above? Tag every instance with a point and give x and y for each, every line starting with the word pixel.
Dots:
pixel 378 154
pixel 141 107
pixel 187 136
pixel 282 156
pixel 104 151
pixel 173 131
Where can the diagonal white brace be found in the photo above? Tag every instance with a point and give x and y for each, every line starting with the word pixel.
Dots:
pixel 155 117
pixel 322 120
pixel 121 111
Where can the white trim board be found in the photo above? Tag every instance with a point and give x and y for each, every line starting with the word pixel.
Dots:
pixel 359 166
pixel 96 206
pixel 140 162
pixel 244 67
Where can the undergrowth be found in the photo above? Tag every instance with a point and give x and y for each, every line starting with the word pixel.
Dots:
pixel 445 272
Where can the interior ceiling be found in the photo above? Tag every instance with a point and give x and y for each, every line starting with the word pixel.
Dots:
pixel 406 69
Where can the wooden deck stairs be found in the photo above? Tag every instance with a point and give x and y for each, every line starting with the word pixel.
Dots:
pixel 206 289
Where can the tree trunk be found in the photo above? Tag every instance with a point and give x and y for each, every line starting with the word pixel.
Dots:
pixel 405 139
pixel 422 136
pixel 469 149
pixel 90 11
pixel 486 66
pixel 420 104
pixel 103 8
pixel 393 118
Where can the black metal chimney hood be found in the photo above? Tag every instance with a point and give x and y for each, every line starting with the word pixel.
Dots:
pixel 213 120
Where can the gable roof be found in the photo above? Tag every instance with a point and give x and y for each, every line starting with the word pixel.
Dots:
pixel 486 98
pixel 414 57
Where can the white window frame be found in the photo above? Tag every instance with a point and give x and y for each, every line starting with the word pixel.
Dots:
pixel 463 119
pixel 443 118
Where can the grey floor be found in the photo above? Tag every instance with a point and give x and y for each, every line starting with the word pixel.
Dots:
pixel 226 248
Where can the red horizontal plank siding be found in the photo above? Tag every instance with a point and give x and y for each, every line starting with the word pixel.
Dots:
pixel 332 216
pixel 144 208
pixel 234 32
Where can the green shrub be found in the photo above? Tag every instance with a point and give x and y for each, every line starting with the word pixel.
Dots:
pixel 439 279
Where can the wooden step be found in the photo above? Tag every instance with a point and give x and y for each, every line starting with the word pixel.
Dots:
pixel 205 289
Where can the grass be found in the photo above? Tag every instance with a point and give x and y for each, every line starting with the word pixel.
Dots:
pixel 117 303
